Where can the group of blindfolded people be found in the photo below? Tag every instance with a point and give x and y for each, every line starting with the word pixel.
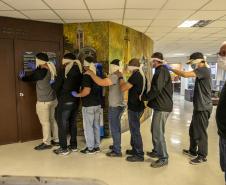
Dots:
pixel 59 94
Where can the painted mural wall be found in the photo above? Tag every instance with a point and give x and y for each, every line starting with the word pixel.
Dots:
pixel 110 41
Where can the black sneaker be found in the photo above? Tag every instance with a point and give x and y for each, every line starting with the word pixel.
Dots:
pixel 111 147
pixel 72 148
pixel 87 151
pixel 113 154
pixel 189 153
pixel 159 163
pixel 130 152
pixel 152 154
pixel 61 151
pixel 54 143
pixel 43 146
pixel 135 158
pixel 97 149
pixel 198 160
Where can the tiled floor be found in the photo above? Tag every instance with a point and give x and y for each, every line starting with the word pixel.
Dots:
pixel 21 159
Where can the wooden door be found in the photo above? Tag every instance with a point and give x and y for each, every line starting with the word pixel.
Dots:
pixel 8 111
pixel 29 125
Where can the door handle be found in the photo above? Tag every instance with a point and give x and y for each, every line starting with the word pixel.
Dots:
pixel 21 94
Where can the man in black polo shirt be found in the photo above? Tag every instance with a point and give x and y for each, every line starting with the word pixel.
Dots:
pixel 202 107
pixel 221 111
pixel 160 100
pixel 91 108
pixel 136 86
pixel 69 79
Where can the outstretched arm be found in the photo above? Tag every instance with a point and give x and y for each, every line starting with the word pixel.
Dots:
pixel 185 74
pixel 99 81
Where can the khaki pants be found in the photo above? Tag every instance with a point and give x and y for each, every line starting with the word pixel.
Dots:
pixel 46 115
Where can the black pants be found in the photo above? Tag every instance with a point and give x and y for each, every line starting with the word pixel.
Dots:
pixel 222 146
pixel 136 138
pixel 66 120
pixel 198 132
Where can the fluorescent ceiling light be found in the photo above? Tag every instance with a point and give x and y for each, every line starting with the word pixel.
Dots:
pixel 188 24
pixel 179 54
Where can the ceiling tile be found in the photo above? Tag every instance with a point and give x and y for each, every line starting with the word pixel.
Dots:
pixel 103 4
pixel 159 29
pixel 207 15
pixel 26 4
pixel 145 3
pixel 215 5
pixel 14 14
pixel 186 5
pixel 51 20
pixel 165 22
pixel 66 4
pixel 108 14
pixel 3 6
pixel 139 28
pixel 186 30
pixel 140 14
pixel 136 22
pixel 174 14
pixel 74 14
pixel 40 14
pixel 208 30
pixel 77 21
pixel 118 21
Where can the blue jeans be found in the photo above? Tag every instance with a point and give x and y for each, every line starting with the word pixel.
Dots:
pixel 158 130
pixel 114 117
pixel 91 125
pixel 222 146
pixel 136 139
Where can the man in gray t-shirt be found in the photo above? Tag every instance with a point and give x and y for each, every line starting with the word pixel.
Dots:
pixel 116 105
pixel 202 107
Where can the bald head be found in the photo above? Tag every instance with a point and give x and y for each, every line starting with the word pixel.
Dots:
pixel 222 51
pixel 134 62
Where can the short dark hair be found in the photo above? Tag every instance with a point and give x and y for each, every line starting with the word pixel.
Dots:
pixel 134 62
pixel 115 62
pixel 42 56
pixel 70 56
pixel 157 55
pixel 196 55
pixel 90 59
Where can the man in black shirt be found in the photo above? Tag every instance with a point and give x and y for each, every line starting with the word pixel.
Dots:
pixel 202 107
pixel 44 72
pixel 91 108
pixel 69 79
pixel 160 100
pixel 136 86
pixel 221 111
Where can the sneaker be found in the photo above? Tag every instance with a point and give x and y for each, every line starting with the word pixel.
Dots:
pixel 72 148
pixel 111 147
pixel 189 153
pixel 87 151
pixel 152 154
pixel 135 158
pixel 97 149
pixel 198 160
pixel 54 143
pixel 113 154
pixel 61 151
pixel 43 146
pixel 159 163
pixel 130 152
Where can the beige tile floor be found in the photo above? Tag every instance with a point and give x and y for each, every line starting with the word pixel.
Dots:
pixel 21 159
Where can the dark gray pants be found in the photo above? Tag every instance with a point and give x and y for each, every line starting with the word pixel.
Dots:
pixel 198 132
pixel 159 119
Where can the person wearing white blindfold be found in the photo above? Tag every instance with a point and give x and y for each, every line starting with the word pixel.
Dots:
pixel 91 108
pixel 136 86
pixel 221 110
pixel 202 103
pixel 68 79
pixel 46 99
pixel 160 99
pixel 116 104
